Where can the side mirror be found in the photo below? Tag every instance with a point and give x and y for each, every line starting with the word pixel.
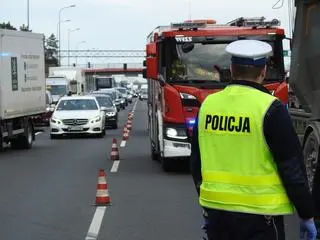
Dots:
pixel 151 49
pixel 103 109
pixel 151 72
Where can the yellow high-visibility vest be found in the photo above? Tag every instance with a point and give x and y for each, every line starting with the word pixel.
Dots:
pixel 238 170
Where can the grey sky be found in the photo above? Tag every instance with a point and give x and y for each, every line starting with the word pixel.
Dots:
pixel 124 24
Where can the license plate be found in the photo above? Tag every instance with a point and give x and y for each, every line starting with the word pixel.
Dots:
pixel 75 128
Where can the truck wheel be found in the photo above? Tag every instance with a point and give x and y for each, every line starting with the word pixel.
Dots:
pixel 24 141
pixel 1 143
pixel 27 138
pixel 311 155
pixel 154 154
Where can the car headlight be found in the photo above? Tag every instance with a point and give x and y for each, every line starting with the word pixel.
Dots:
pixel 54 120
pixel 96 119
pixel 110 114
pixel 175 133
pixel 187 96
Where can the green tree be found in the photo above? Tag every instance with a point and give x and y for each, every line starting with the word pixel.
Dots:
pixel 24 28
pixel 7 26
pixel 51 50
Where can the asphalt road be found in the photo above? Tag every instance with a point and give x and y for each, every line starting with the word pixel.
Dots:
pixel 48 192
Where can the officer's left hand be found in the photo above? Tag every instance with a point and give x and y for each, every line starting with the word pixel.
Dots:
pixel 308 230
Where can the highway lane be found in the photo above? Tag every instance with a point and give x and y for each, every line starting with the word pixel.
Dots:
pixel 47 192
pixel 151 204
pixel 146 202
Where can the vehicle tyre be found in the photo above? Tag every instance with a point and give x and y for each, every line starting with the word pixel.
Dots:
pixel 53 136
pixel 115 126
pixel 311 156
pixel 154 154
pixel 1 142
pixel 26 140
pixel 165 164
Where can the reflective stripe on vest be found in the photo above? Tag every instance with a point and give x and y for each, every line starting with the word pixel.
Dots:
pixel 238 171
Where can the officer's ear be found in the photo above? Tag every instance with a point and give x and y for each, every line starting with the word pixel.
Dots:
pixel 262 75
pixel 264 72
pixel 231 71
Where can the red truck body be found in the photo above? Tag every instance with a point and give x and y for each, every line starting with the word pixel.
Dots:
pixel 179 65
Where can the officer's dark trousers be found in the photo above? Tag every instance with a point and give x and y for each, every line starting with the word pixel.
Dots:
pixel 240 226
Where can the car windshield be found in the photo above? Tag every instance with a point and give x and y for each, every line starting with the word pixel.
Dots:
pixel 57 89
pixel 208 61
pixel 77 104
pixel 109 94
pixel 122 90
pixel 104 82
pixel 144 91
pixel 104 101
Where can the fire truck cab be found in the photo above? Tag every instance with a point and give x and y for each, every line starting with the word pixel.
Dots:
pixel 185 63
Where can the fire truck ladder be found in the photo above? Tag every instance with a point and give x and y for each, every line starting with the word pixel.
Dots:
pixel 254 22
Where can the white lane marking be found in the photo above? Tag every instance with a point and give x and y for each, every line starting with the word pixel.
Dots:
pixel 37 133
pixel 115 166
pixel 95 225
pixel 123 143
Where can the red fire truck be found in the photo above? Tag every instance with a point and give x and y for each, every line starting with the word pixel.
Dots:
pixel 185 63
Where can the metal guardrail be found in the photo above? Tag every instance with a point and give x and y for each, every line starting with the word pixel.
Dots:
pixel 300 120
pixel 299 114
pixel 108 65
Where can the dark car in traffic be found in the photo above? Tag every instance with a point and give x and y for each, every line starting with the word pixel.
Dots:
pixel 111 110
pixel 111 93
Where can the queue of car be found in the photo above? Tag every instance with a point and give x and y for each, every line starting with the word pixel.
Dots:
pixel 90 114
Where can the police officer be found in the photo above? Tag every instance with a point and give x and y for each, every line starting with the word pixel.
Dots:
pixel 246 159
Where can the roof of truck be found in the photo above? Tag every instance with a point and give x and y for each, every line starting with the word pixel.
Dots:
pixel 224 31
pixel 248 26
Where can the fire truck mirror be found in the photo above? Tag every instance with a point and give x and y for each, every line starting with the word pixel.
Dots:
pixel 151 49
pixel 152 68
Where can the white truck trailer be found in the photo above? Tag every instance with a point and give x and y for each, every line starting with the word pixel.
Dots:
pixel 58 87
pixel 22 86
pixel 74 76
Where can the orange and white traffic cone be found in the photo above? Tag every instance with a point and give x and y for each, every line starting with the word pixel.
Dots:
pixel 125 129
pixel 129 125
pixel 114 155
pixel 102 196
pixel 125 134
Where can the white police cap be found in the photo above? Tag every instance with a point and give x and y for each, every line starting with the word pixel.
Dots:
pixel 249 52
